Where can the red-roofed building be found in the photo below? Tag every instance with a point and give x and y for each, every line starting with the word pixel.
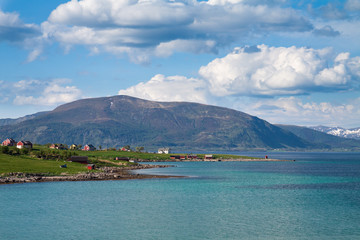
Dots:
pixel 9 142
pixel 89 148
pixel 24 144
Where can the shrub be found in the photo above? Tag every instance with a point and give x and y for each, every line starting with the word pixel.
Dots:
pixel 5 149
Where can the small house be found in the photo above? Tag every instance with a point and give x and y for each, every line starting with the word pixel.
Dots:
pixel 9 142
pixel 122 158
pixel 163 150
pixel 191 156
pixel 24 144
pixel 53 146
pixel 124 149
pixel 57 146
pixel 175 157
pixel 73 147
pixel 79 159
pixel 208 156
pixel 89 147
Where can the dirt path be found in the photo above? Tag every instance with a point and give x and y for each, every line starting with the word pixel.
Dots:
pixel 115 163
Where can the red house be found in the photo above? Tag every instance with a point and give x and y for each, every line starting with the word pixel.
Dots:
pixel 89 148
pixel 191 156
pixel 57 146
pixel 9 142
pixel 24 144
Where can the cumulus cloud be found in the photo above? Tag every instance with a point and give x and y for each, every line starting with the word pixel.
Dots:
pixel 159 27
pixel 260 71
pixel 12 29
pixel 172 88
pixel 326 31
pixel 239 78
pixel 293 110
pixel 275 71
pixel 352 5
pixel 35 92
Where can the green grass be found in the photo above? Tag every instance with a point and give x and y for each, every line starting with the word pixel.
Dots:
pixel 32 164
pixel 110 155
pixel 27 164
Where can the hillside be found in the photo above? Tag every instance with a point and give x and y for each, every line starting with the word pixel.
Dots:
pixel 339 131
pixel 123 120
pixel 10 121
pixel 322 140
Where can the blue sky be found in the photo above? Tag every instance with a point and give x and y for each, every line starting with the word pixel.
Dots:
pixel 288 62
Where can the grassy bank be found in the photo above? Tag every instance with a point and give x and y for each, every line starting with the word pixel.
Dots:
pixel 45 161
pixel 26 164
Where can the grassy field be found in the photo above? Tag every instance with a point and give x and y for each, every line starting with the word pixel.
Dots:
pixel 29 163
pixel 149 156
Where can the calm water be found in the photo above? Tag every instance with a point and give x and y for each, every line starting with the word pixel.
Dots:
pixel 315 197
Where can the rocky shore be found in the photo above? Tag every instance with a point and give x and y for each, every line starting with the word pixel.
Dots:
pixel 219 160
pixel 106 173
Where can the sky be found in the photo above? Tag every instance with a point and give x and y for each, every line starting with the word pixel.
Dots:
pixel 287 62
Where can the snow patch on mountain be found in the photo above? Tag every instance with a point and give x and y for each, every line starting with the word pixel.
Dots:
pixel 339 131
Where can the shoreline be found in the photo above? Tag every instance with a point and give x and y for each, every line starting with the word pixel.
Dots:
pixel 116 173
pixel 220 160
pixel 106 173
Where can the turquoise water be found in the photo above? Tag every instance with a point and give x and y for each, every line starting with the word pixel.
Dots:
pixel 315 197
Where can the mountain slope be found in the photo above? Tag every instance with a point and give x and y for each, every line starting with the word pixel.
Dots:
pixel 9 121
pixel 322 140
pixel 121 120
pixel 339 131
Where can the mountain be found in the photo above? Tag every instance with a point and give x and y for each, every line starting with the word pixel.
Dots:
pixel 122 120
pixel 322 140
pixel 9 121
pixel 339 131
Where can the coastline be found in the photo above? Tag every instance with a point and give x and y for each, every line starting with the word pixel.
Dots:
pixel 220 160
pixel 116 173
pixel 106 173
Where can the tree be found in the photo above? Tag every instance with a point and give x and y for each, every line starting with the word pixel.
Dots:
pixel 5 149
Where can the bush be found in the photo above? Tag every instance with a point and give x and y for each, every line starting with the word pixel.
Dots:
pixel 25 151
pixel 5 149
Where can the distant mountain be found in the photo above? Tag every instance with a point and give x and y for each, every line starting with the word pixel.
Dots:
pixel 339 131
pixel 9 121
pixel 322 140
pixel 123 120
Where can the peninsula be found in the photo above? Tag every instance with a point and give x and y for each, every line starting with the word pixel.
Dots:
pixel 56 162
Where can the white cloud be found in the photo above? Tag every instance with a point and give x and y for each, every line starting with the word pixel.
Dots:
pixel 159 27
pixel 352 5
pixel 27 84
pixel 12 29
pixel 194 46
pixel 272 71
pixel 173 88
pixel 45 93
pixel 293 110
pixel 237 80
pixel 326 31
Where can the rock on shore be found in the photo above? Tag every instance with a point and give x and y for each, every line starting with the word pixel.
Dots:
pixel 106 173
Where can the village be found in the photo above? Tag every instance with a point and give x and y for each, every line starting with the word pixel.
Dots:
pixel 9 142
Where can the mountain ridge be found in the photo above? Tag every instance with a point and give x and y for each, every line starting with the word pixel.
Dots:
pixel 122 120
pixel 339 131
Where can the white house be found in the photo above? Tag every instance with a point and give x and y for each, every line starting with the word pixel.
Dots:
pixel 164 150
